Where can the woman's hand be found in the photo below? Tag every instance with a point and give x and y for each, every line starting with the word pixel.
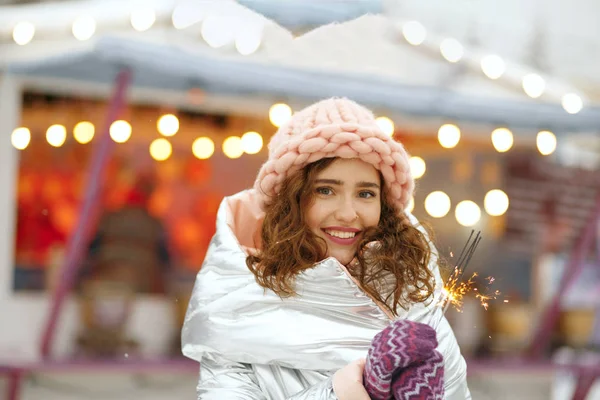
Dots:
pixel 348 382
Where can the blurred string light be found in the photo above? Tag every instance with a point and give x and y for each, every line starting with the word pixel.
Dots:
pixel 232 147
pixel 449 136
pixel 437 204
pixel 83 132
pixel 451 50
pixel 417 167
pixel 56 135
pixel 249 38
pixel 572 103
pixel 496 202
pixel 142 19
pixel 20 138
pixel 467 213
pixel 533 85
pixel 493 66
pixel 502 139
pixel 279 114
pixel 252 142
pixel 168 125
pixel 218 31
pixel 546 142
pixel 248 44
pixel 120 131
pixel 203 148
pixel 84 27
pixel 23 33
pixel 186 14
pixel 386 125
pixel 414 33
pixel 160 149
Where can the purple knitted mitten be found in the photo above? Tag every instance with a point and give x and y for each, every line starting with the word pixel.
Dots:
pixel 402 363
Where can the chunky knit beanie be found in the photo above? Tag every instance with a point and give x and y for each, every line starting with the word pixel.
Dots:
pixel 402 363
pixel 335 128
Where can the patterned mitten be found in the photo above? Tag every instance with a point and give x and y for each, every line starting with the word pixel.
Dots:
pixel 402 363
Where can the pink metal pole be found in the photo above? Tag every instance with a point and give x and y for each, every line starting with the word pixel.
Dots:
pixel 583 245
pixel 78 240
pixel 14 385
pixel 584 385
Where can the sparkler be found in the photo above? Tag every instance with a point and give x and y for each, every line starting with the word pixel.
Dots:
pixel 455 288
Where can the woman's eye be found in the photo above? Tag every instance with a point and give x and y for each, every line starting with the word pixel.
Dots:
pixel 367 195
pixel 324 191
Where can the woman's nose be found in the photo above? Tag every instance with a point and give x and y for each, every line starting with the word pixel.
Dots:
pixel 347 212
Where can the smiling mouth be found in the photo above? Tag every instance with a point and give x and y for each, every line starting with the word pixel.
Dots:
pixel 342 238
pixel 340 234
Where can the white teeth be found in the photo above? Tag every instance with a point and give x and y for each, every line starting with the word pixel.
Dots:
pixel 342 235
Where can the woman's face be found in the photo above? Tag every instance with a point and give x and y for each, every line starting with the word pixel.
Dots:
pixel 346 201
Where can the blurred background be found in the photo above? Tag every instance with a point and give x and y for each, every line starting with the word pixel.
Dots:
pixel 124 123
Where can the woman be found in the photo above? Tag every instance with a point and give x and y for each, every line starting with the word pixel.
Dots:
pixel 313 262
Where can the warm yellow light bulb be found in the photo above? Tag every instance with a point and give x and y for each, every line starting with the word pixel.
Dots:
pixel 120 131
pixel 20 138
pixel 168 125
pixel 232 147
pixel 56 135
pixel 83 132
pixel 417 167
pixel 386 125
pixel 203 148
pixel 160 149
pixel 279 114
pixel 437 204
pixel 252 142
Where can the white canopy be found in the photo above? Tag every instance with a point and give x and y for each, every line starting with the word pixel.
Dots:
pixel 366 58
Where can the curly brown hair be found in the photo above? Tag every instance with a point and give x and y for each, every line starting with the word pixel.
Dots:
pixel 289 247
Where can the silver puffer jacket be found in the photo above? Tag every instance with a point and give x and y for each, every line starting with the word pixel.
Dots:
pixel 253 345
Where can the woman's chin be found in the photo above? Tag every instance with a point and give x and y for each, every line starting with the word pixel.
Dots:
pixel 343 259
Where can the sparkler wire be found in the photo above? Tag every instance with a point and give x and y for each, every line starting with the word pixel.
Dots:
pixel 455 280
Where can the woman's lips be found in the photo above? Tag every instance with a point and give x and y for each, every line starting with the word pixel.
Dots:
pixel 343 241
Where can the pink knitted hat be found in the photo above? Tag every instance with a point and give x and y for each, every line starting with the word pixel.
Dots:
pixel 335 127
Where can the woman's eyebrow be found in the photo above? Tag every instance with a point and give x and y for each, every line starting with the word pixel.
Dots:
pixel 367 185
pixel 337 182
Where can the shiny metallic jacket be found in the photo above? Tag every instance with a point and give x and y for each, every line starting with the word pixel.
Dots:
pixel 251 344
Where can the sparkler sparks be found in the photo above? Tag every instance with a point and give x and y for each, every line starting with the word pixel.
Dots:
pixel 456 288
pixel 455 291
